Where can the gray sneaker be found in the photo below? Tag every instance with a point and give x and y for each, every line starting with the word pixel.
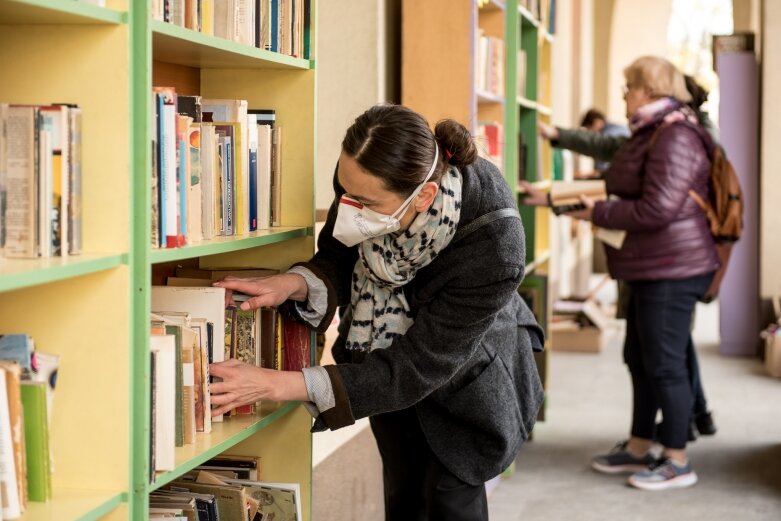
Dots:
pixel 664 474
pixel 618 461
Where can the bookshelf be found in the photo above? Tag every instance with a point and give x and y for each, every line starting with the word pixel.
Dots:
pixel 93 309
pixel 442 82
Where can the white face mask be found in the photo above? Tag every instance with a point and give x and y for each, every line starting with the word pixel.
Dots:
pixel 355 223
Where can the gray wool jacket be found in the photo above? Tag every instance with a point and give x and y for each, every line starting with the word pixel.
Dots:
pixel 466 364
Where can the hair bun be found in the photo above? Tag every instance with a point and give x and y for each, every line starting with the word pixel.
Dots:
pixel 456 142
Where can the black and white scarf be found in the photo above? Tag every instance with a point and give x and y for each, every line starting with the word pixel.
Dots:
pixel 380 311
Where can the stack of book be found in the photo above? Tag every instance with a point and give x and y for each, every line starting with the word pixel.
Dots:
pixel 217 169
pixel 27 380
pixel 40 180
pixel 191 328
pixel 490 139
pixel 274 25
pixel 204 495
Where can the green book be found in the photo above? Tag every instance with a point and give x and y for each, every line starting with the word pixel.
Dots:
pixel 36 440
pixel 176 331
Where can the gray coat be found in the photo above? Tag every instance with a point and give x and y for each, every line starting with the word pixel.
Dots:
pixel 466 364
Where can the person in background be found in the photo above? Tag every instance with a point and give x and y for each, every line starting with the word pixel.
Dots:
pixel 424 246
pixel 593 145
pixel 594 121
pixel 668 259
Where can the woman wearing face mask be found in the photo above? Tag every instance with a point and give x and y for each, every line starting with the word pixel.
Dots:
pixel 424 247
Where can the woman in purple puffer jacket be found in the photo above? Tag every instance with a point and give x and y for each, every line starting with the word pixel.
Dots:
pixel 668 258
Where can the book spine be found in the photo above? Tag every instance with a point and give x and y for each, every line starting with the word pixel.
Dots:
pixel 12 505
pixel 207 17
pixel 195 192
pixel 274 47
pixel 276 181
pixel 182 181
pixel 20 183
pixel 168 173
pixel 252 129
pixel 74 174
pixel 36 438
pixel 230 185
pixel 45 193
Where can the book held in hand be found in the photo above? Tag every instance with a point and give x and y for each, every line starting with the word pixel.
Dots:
pixel 564 196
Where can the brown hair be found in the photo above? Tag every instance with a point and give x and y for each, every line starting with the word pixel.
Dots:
pixel 396 144
pixel 659 76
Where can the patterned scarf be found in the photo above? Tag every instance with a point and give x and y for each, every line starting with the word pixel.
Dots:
pixel 667 109
pixel 380 311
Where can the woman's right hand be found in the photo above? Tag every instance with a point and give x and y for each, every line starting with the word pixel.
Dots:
pixel 266 291
pixel 549 132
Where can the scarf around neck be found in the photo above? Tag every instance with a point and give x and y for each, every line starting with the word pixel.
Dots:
pixel 380 311
pixel 667 110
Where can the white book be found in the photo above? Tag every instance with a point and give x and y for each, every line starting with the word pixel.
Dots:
pixel 12 508
pixel 163 347
pixel 203 302
pixel 264 176
pixel 223 19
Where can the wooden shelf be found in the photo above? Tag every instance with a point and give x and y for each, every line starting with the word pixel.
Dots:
pixel 493 5
pixel 22 273
pixel 231 243
pixel 489 97
pixel 527 17
pixel 539 260
pixel 81 505
pixel 43 12
pixel 174 44
pixel 526 103
pixel 224 435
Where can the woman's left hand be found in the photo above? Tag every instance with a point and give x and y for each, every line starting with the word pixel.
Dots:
pixel 586 213
pixel 243 384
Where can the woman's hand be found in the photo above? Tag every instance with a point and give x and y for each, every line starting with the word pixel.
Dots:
pixel 533 196
pixel 549 132
pixel 586 213
pixel 266 291
pixel 243 384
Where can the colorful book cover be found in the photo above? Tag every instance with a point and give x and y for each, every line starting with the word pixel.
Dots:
pixel 297 345
pixel 194 196
pixel 183 175
pixel 168 172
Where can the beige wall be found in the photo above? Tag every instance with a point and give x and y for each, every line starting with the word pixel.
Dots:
pixel 638 28
pixel 770 159
pixel 351 77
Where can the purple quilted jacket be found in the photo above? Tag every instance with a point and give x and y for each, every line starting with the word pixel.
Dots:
pixel 668 235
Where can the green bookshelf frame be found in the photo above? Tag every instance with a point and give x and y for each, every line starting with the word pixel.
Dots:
pixel 148 41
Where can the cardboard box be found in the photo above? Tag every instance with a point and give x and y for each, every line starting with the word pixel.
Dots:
pixel 773 352
pixel 577 327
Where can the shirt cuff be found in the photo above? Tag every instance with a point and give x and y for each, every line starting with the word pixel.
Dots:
pixel 314 309
pixel 319 388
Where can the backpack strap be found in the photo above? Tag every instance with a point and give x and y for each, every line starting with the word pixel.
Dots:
pixel 483 220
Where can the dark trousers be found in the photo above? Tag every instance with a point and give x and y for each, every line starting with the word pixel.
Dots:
pixel 655 349
pixel 417 486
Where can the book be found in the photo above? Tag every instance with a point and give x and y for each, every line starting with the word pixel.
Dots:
pixel 36 440
pixel 194 194
pixel 18 348
pixel 297 345
pixel 207 303
pixel 166 141
pixel 163 348
pixel 13 506
pixel 564 196
pixel 74 176
pixel 236 467
pixel 203 417
pixel 55 118
pixel 21 187
pixel 13 380
pixel 182 177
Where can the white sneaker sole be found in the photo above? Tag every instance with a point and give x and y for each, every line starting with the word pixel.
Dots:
pixel 686 480
pixel 618 469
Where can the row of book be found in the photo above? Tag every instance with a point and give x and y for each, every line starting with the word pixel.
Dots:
pixel 209 495
pixel 279 26
pixel 191 327
pixel 40 180
pixel 544 11
pixel 27 380
pixel 490 65
pixel 217 169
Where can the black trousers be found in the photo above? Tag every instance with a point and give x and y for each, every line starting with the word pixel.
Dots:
pixel 655 349
pixel 417 486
